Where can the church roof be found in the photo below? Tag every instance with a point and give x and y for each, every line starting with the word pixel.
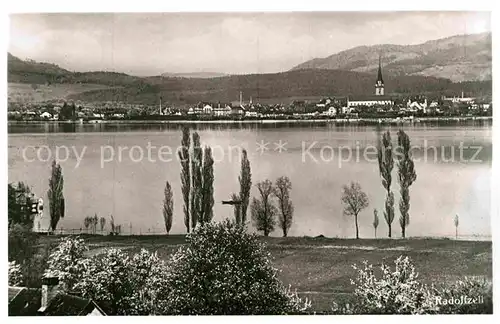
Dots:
pixel 379 75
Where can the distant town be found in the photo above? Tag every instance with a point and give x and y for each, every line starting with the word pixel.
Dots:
pixel 378 106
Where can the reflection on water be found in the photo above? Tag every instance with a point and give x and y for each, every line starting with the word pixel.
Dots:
pixel 131 190
pixel 64 127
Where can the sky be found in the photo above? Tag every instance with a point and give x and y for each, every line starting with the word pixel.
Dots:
pixel 234 43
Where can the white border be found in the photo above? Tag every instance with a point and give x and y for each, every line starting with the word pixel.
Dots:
pixel 23 6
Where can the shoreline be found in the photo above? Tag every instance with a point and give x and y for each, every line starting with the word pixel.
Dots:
pixel 263 121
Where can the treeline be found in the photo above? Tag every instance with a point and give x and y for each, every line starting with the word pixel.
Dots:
pixel 273 205
pixel 197 180
pixel 24 249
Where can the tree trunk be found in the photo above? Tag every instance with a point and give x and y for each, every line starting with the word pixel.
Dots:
pixel 456 233
pixel 357 229
pixel 284 233
pixel 403 230
pixel 389 230
pixel 375 232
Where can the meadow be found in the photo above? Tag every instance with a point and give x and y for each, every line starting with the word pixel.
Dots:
pixel 321 268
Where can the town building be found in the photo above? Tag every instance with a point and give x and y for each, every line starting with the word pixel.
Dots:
pixel 222 110
pixel 460 99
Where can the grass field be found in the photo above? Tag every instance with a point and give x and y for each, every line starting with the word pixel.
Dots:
pixel 321 268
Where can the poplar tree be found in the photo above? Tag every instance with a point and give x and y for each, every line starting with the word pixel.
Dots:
pixel 375 221
pixel 55 195
pixel 245 179
pixel 185 174
pixel 207 187
pixel 168 207
pixel 386 164
pixel 237 209
pixel 196 180
pixel 407 175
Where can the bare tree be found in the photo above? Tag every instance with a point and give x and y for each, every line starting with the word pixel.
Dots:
pixel 375 221
pixel 87 222
pixel 168 207
pixel 282 192
pixel 95 221
pixel 102 223
pixel 354 200
pixel 455 220
pixel 407 175
pixel 263 210
pixel 112 225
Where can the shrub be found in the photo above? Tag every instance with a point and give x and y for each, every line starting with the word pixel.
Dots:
pixel 468 296
pixel 123 285
pixel 396 292
pixel 34 271
pixel 66 262
pixel 23 248
pixel 22 243
pixel 224 270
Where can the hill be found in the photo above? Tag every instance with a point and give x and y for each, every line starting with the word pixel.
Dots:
pixel 458 58
pixel 200 75
pixel 29 71
pixel 261 87
pixel 265 86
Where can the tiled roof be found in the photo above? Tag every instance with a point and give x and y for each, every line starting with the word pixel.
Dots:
pixel 64 304
pixel 370 98
pixel 13 291
pixel 27 302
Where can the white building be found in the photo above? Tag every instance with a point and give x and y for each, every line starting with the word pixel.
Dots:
pixel 222 110
pixel 460 99
pixel 332 111
pixel 207 109
pixel 369 101
pixel 46 114
pixel 417 106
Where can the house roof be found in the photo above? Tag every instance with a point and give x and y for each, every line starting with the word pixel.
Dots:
pixel 27 302
pixel 370 98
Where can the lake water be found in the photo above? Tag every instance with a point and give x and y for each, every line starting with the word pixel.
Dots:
pixel 314 156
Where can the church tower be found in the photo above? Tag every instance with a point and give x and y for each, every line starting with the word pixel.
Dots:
pixel 379 86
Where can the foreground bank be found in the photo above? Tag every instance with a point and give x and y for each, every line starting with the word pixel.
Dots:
pixel 321 268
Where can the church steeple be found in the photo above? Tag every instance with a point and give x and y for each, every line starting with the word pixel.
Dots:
pixel 379 86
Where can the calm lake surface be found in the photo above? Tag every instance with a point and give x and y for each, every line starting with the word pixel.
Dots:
pixel 104 172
